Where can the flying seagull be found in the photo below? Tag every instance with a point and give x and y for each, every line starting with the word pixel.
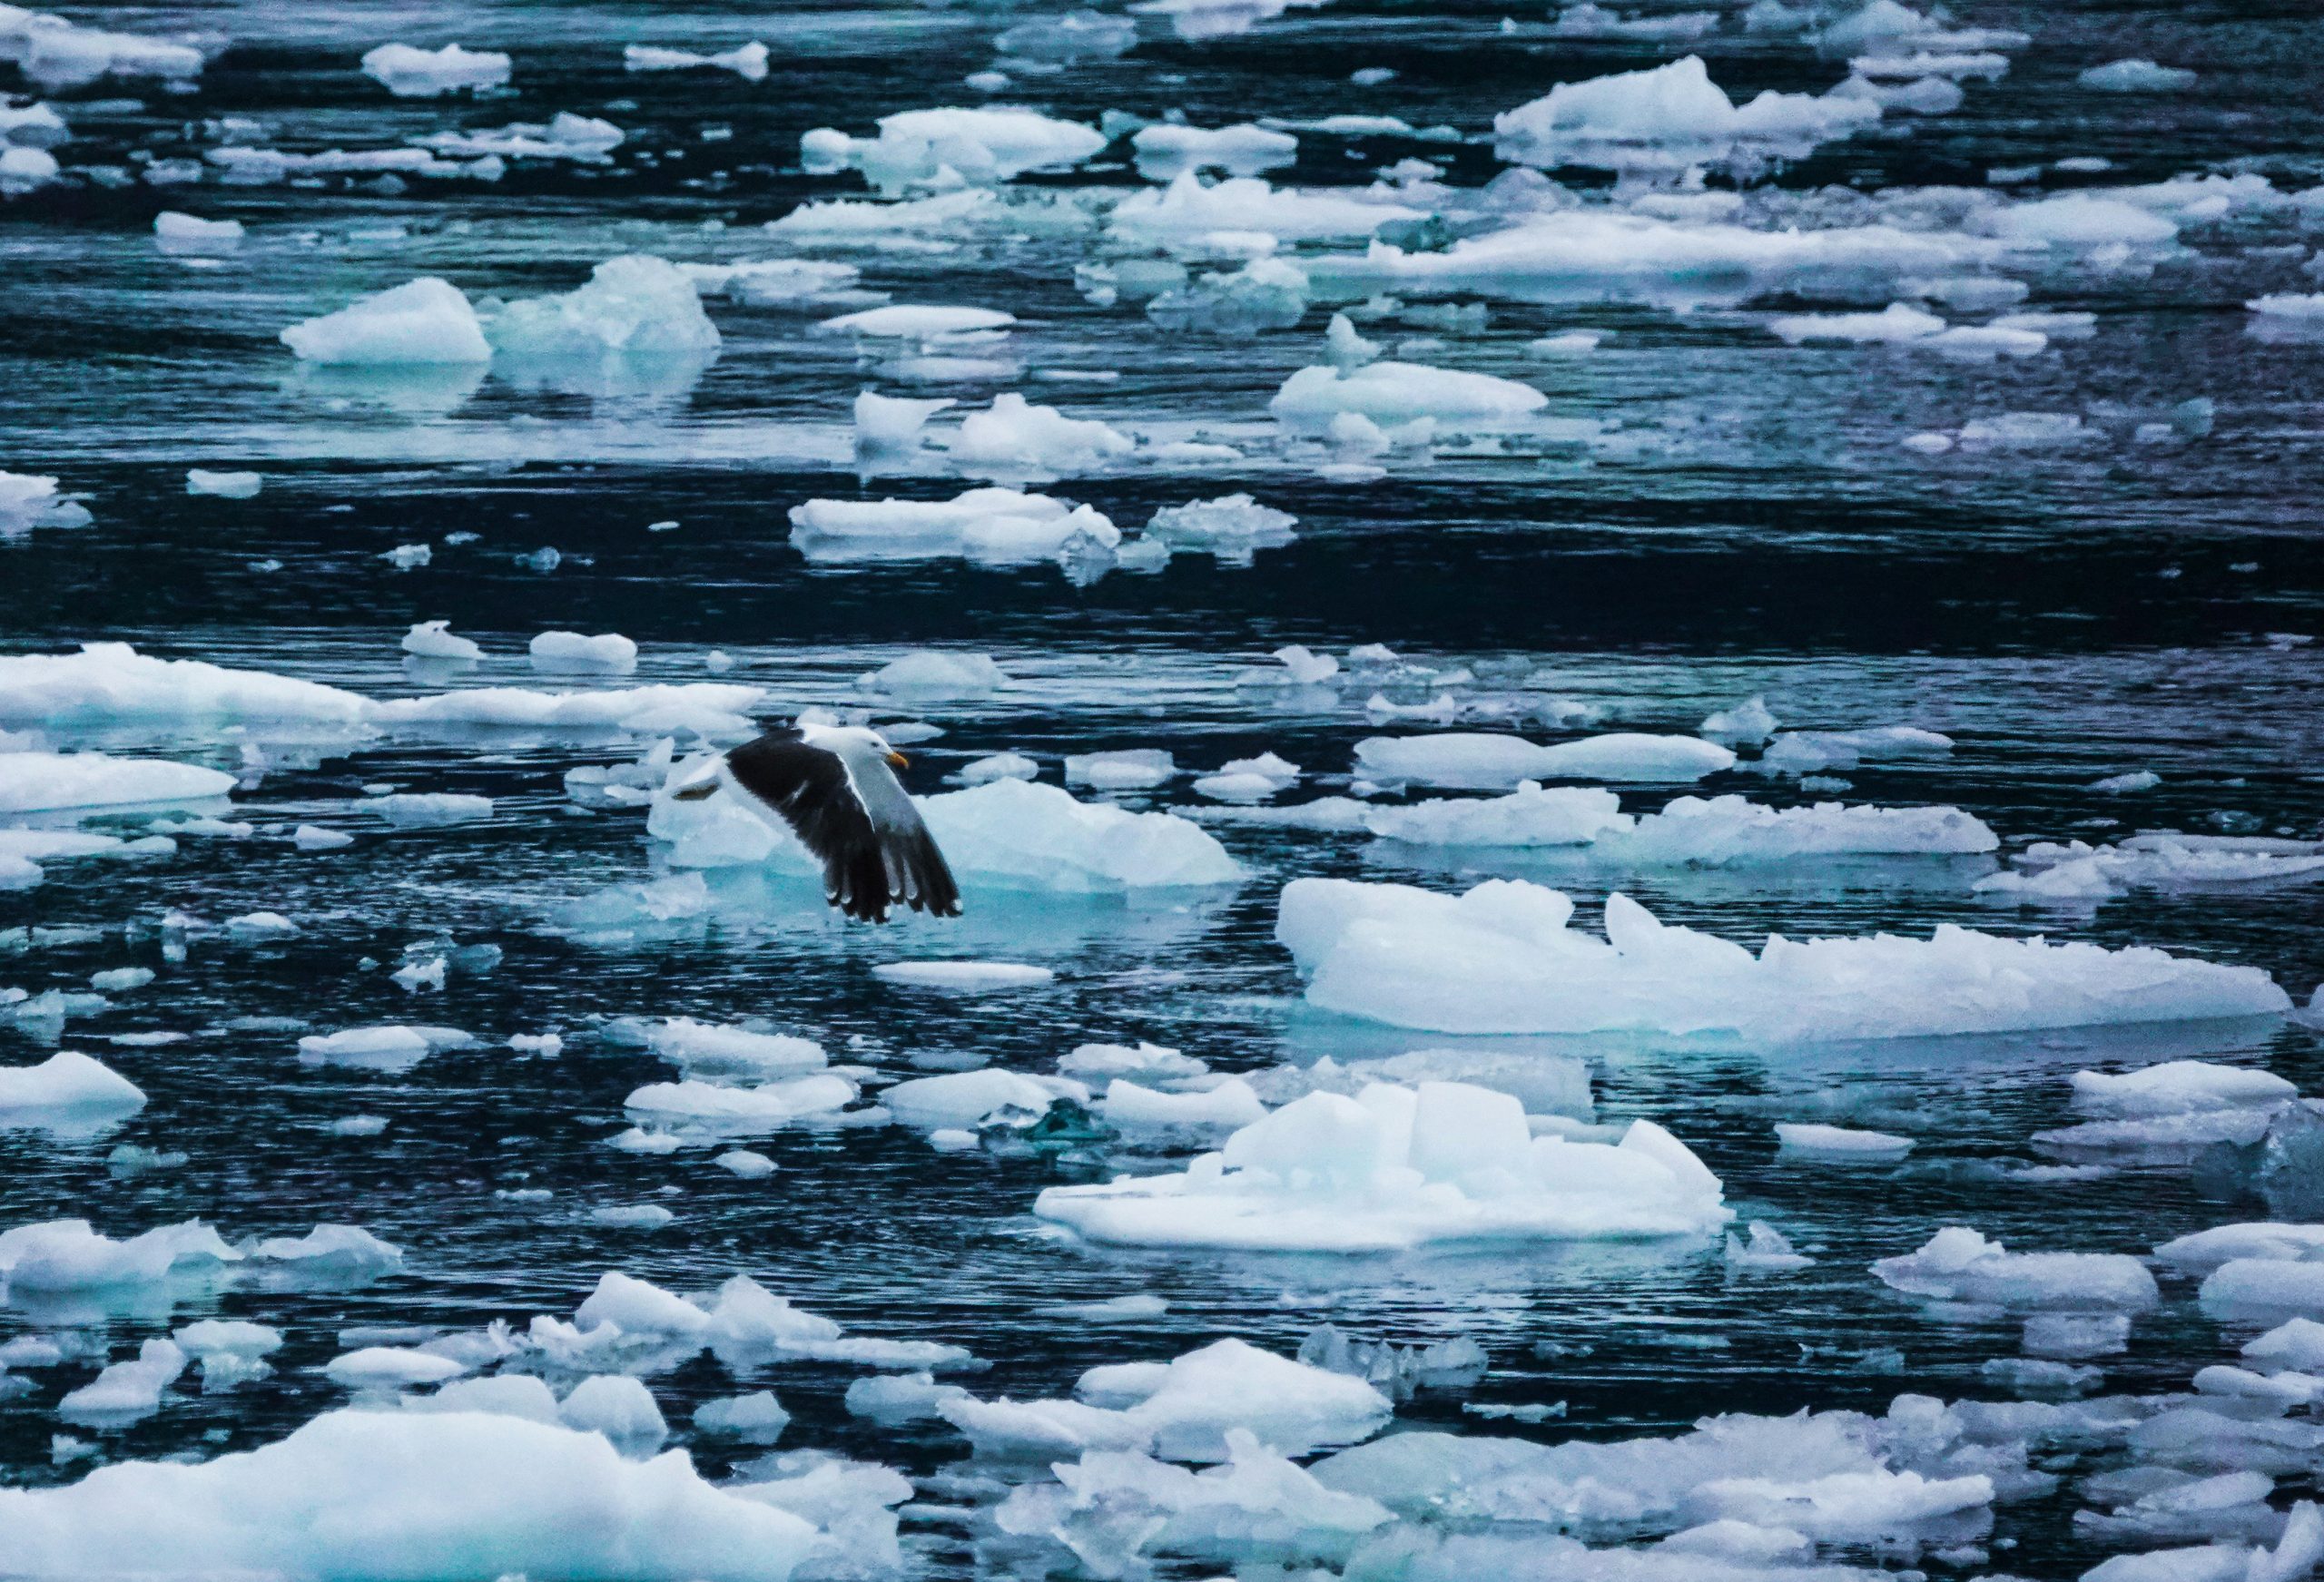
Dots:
pixel 833 786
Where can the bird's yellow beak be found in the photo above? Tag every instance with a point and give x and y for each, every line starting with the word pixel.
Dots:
pixel 898 759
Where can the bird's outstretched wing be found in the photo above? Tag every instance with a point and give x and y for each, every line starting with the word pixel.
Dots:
pixel 874 849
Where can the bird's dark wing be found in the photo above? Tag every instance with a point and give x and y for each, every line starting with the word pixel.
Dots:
pixel 867 864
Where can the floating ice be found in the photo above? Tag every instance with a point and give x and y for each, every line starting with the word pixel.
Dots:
pixel 631 306
pixel 1230 1105
pixel 425 320
pixel 1399 1167
pixel 712 1050
pixel 2156 860
pixel 930 672
pixel 2136 77
pixel 1957 1264
pixel 435 640
pixel 1502 958
pixel 573 651
pixel 2176 1087
pixel 56 52
pixel 65 1083
pixel 1768 1249
pixel 1184 1410
pixel 1804 1139
pixel 2203 1251
pixel 993 526
pixel 1008 835
pixel 565 136
pixel 962 1098
pixel 1670 117
pixel 963 976
pixel 409 73
pixel 416 1493
pixel 618 1407
pixel 1165 150
pixel 427 809
pixel 746 61
pixel 721 1110
pixel 912 322
pixel 1012 436
pixel 2265 1290
pixel 223 486
pixel 27 502
pixel 889 422
pixel 1484 762
pixel 125 1391
pixel 1136 769
pixel 63 1257
pixel 1400 392
pixel 43 781
pixel 1190 214
pixel 758 1417
pixel 950 146
pixel 391 1047
pixel 106 681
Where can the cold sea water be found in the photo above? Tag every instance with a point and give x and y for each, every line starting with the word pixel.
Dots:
pixel 2058 510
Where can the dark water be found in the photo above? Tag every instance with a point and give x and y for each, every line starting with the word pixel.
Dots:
pixel 2064 613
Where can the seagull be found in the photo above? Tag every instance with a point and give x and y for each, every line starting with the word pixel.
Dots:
pixel 833 787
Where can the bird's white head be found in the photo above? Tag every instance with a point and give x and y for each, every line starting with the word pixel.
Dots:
pixel 849 740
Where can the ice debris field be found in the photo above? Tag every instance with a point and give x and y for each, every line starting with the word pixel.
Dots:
pixel 1624 695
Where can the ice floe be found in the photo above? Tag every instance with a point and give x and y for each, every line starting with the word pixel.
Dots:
pixel 411 73
pixel 1478 761
pixel 1502 959
pixel 44 781
pixel 1670 117
pixel 1397 1167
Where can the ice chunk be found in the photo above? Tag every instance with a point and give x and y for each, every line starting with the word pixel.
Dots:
pixel 1670 117
pixel 1529 816
pixel 107 681
pixel 1230 527
pixel 2264 1290
pixel 1399 1167
pixel 2203 1252
pixel 710 1049
pixel 425 320
pixel 2176 1087
pixel 1484 762
pixel 2157 860
pixel 1799 1137
pixel 2136 77
pixel 28 501
pixel 631 306
pixel 1957 1264
pixel 126 1391
pixel 1188 213
pixel 746 61
pixel 962 1098
pixel 884 423
pixel 998 525
pixel 963 976
pixel 930 673
pixel 64 1083
pixel 223 486
pixel 427 809
pixel 408 1493
pixel 1136 769
pixel 913 322
pixel 1402 392
pixel 1768 1249
pixel 1230 1105
pixel 409 73
pixel 1503 960
pixel 758 1417
pixel 721 1109
pixel 59 1256
pixel 1015 437
pixel 391 1368
pixel 1746 723
pixel 1164 149
pixel 1146 1060
pixel 390 1048
pixel 42 781
pixel 564 136
pixel 573 651
pixel 950 146
pixel 435 640
pixel 1895 324
pixel 616 1406
pixel 336 1251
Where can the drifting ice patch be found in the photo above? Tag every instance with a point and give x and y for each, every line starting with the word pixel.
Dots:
pixel 950 146
pixel 410 72
pixel 423 322
pixel 1668 118
pixel 108 682
pixel 1398 1167
pixel 46 782
pixel 993 526
pixel 27 502
pixel 65 1083
pixel 746 61
pixel 1502 958
pixel 1401 392
pixel 358 1492
pixel 1957 1264
pixel 1182 1410
pixel 1480 761
pixel 1014 437
pixel 634 306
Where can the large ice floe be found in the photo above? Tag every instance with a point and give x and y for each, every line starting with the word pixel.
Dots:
pixel 1182 1410
pixel 1670 117
pixel 109 683
pixel 372 1493
pixel 1505 958
pixel 993 526
pixel 44 781
pixel 1485 762
pixel 1005 835
pixel 1397 1167
pixel 1696 831
pixel 948 146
